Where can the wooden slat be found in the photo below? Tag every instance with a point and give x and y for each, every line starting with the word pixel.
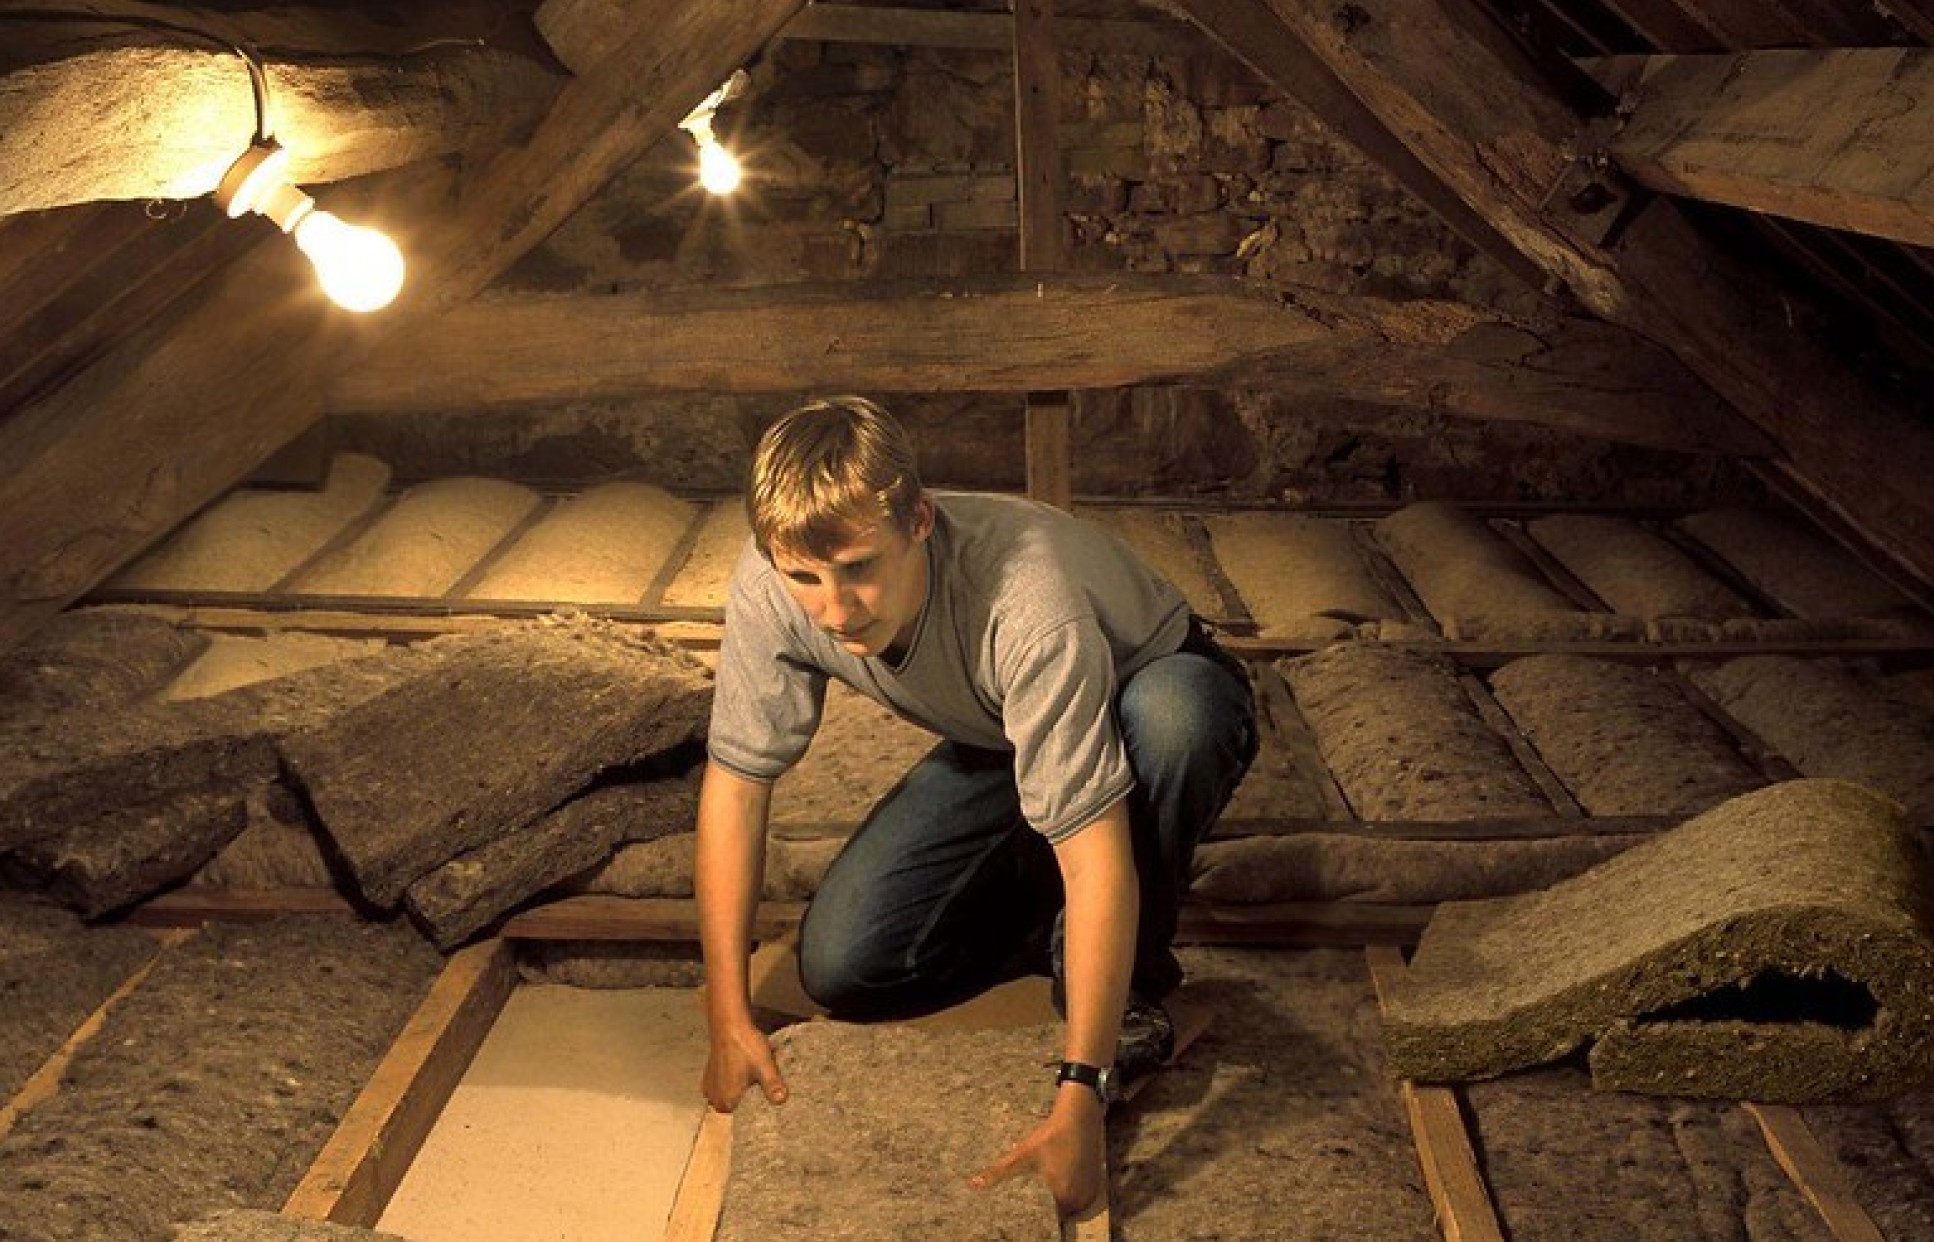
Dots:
pixel 1050 449
pixel 597 916
pixel 701 1190
pixel 1457 1190
pixel 365 1160
pixel 1500 722
pixel 1819 1177
pixel 1049 419
pixel 993 32
pixel 45 1081
pixel 1840 138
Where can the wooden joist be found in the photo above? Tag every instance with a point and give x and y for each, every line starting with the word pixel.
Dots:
pixel 1841 138
pixel 1037 155
pixel 357 1172
pixel 1474 113
pixel 1044 332
pixel 1815 1172
pixel 1451 1174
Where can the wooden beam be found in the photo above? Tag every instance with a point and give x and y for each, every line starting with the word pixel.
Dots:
pixel 1451 1174
pixel 701 1190
pixel 993 32
pixel 1489 127
pixel 1041 333
pixel 364 1161
pixel 1843 139
pixel 96 470
pixel 152 116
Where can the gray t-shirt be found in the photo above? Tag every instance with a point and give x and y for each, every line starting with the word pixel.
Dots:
pixel 1032 620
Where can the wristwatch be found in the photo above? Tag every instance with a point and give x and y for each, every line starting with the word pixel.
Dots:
pixel 1098 1078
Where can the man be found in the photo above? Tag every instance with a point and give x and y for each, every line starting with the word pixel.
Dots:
pixel 1092 734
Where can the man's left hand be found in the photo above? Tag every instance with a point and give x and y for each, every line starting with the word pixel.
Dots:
pixel 1066 1152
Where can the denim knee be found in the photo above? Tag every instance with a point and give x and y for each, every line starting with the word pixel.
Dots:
pixel 840 973
pixel 1185 710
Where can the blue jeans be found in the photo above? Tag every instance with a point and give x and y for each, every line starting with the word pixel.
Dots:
pixel 946 890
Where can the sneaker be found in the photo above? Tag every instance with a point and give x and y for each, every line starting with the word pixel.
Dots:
pixel 1146 1043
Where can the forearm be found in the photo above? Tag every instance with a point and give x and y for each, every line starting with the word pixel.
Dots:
pixel 1103 906
pixel 729 872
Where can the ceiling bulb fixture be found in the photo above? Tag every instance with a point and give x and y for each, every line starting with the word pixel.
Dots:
pixel 718 168
pixel 360 268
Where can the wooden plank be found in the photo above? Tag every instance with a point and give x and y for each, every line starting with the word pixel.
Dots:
pixel 1817 1174
pixel 992 32
pixel 1481 117
pixel 1842 138
pixel 701 1190
pixel 45 1081
pixel 598 916
pixel 1665 25
pixel 1462 1201
pixel 1041 332
pixel 366 1158
pixel 189 111
pixel 194 906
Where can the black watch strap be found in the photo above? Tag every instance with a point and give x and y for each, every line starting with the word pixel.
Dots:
pixel 1099 1079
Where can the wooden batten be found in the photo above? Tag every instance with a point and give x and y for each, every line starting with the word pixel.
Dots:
pixel 359 1169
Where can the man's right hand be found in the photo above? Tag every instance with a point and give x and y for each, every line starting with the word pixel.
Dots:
pixel 740 1057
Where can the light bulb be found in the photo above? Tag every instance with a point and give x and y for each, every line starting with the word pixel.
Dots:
pixel 360 268
pixel 718 169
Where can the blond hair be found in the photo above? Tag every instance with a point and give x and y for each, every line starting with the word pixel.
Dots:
pixel 828 471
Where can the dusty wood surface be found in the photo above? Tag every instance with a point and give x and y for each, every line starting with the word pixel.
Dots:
pixel 185 111
pixel 1821 136
pixel 352 1179
pixel 1037 332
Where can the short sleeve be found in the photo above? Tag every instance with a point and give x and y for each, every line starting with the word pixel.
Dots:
pixel 766 699
pixel 1058 710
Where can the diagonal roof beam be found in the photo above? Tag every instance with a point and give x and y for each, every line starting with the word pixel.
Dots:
pixel 1438 76
pixel 1843 139
pixel 99 468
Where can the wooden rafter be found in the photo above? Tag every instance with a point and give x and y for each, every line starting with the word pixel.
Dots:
pixel 1839 138
pixel 1500 137
pixel 93 472
pixel 1042 333
pixel 155 118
